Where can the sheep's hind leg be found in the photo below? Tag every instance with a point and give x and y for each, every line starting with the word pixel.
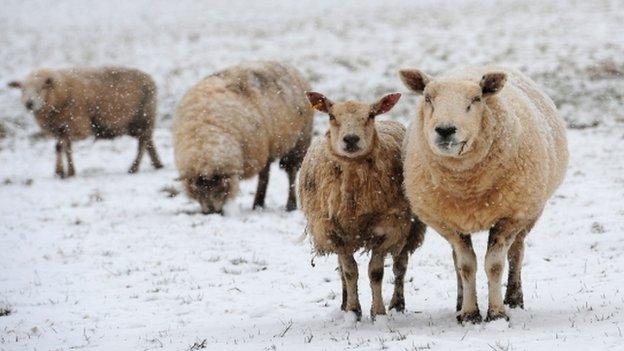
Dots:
pixel 291 164
pixel 501 237
pixel 375 275
pixel 350 271
pixel 513 295
pixel 467 267
pixel 263 182
pixel 137 161
pixel 59 159
pixel 399 267
pixel 151 151
pixel 70 162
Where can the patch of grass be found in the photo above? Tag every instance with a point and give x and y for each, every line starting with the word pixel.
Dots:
pixel 198 345
pixel 5 311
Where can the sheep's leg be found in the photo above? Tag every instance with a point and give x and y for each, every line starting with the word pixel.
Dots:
pixel 460 288
pixel 59 159
pixel 263 182
pixel 350 271
pixel 375 275
pixel 467 266
pixel 70 162
pixel 399 267
pixel 291 164
pixel 513 296
pixel 137 161
pixel 501 237
pixel 343 306
pixel 151 150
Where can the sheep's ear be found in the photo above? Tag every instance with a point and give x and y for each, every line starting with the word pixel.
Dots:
pixel 416 80
pixel 492 83
pixel 319 101
pixel 15 84
pixel 384 104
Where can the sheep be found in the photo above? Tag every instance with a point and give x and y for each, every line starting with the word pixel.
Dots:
pixel 351 193
pixel 73 104
pixel 233 124
pixel 486 150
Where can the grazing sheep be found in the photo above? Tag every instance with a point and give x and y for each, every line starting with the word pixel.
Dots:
pixel 352 196
pixel 107 102
pixel 486 150
pixel 234 124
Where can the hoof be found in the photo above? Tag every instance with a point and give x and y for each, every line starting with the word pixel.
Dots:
pixel 397 304
pixel 492 316
pixel 473 317
pixel 358 313
pixel 514 301
pixel 133 170
pixel 61 174
pixel 374 314
pixel 258 206
pixel 158 166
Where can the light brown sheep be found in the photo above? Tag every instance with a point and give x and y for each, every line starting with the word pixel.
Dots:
pixel 234 124
pixel 106 102
pixel 486 150
pixel 351 194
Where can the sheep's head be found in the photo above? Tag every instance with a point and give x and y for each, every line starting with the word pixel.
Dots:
pixel 211 192
pixel 41 89
pixel 452 110
pixel 352 123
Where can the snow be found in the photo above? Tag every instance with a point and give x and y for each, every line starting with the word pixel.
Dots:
pixel 109 261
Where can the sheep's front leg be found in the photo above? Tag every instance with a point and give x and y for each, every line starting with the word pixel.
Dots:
pixel 460 288
pixel 467 266
pixel 59 159
pixel 501 237
pixel 399 267
pixel 343 305
pixel 70 161
pixel 263 182
pixel 137 161
pixel 375 275
pixel 350 271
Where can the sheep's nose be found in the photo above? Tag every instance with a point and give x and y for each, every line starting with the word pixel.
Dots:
pixel 445 131
pixel 351 139
pixel 29 104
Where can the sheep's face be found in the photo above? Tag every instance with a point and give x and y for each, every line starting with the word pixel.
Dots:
pixel 352 123
pixel 211 192
pixel 40 89
pixel 452 110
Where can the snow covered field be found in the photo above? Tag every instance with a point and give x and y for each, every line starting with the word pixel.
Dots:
pixel 110 261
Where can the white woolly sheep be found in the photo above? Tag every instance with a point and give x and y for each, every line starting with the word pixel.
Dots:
pixel 351 194
pixel 234 124
pixel 486 150
pixel 106 102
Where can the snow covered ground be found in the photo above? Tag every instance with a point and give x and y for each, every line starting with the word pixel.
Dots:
pixel 111 261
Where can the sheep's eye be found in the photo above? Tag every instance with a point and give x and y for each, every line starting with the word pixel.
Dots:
pixel 332 117
pixel 428 99
pixel 476 99
pixel 371 115
pixel 468 108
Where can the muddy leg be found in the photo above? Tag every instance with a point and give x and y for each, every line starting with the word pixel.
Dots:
pixel 399 267
pixel 263 182
pixel 137 162
pixel 291 164
pixel 513 296
pixel 350 271
pixel 70 162
pixel 375 275
pixel 501 237
pixel 59 159
pixel 467 266
pixel 460 288
pixel 151 151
